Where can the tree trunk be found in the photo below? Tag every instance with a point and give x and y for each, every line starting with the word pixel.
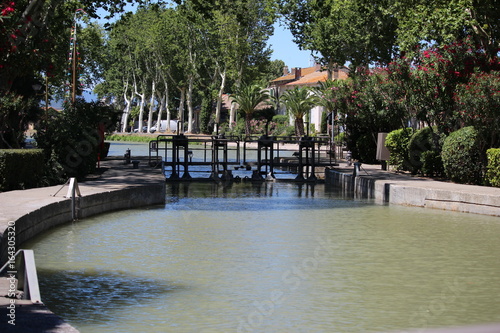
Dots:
pixel 299 127
pixel 151 105
pixel 167 108
pixel 181 109
pixel 248 118
pixel 160 111
pixel 189 100
pixel 141 108
pixel 219 101
pixel 126 112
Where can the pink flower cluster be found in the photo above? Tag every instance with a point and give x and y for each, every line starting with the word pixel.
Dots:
pixel 9 9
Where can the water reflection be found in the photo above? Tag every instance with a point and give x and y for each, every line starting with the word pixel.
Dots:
pixel 210 189
pixel 271 258
pixel 97 294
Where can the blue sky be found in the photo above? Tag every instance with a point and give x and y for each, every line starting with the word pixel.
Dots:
pixel 285 49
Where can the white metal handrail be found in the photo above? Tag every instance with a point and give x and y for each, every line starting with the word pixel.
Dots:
pixel 25 270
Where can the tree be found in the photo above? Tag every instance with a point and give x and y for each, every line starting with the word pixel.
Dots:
pixel 445 21
pixel 248 98
pixel 355 31
pixel 299 101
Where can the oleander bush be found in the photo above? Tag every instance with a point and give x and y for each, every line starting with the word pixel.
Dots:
pixel 493 168
pixel 397 143
pixel 21 168
pixel 461 156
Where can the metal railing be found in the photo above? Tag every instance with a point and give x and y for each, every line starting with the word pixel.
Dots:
pixel 22 266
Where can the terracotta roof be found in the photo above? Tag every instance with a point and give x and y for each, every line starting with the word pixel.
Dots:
pixel 315 77
pixel 291 76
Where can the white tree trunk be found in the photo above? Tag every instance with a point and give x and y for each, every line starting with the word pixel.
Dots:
pixel 219 101
pixel 189 99
pixel 151 105
pixel 181 109
pixel 141 108
pixel 126 111
pixel 160 111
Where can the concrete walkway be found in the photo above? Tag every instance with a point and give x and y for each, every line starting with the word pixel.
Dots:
pixel 35 210
pixel 404 189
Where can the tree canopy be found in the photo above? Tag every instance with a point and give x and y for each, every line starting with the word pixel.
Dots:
pixel 362 32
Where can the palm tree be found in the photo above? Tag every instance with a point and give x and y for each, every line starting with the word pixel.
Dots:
pixel 299 101
pixel 249 97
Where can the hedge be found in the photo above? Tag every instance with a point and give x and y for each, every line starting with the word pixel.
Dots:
pixel 424 152
pixel 397 143
pixel 493 169
pixel 21 168
pixel 462 156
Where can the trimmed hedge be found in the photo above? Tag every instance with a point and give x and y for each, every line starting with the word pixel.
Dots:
pixel 462 156
pixel 397 143
pixel 21 168
pixel 424 152
pixel 493 169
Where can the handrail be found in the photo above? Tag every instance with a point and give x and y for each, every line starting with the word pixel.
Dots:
pixel 26 274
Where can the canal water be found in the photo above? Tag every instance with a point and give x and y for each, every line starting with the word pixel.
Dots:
pixel 271 257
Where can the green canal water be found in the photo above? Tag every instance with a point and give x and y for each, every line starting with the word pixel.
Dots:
pixel 275 257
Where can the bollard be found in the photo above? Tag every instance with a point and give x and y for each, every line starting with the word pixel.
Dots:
pixel 127 156
pixel 135 164
pixel 357 169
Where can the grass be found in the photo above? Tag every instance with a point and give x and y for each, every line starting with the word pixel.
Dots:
pixel 130 137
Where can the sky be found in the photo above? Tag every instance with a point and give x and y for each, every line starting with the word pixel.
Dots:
pixel 285 49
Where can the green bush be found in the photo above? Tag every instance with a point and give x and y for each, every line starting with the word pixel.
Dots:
pixel 366 149
pixel 21 168
pixel 462 156
pixel 493 168
pixel 289 131
pixel 397 143
pixel 281 119
pixel 426 139
pixel 71 138
pixel 340 139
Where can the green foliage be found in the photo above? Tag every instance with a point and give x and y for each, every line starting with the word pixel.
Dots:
pixel 445 21
pixel 288 131
pixel 340 138
pixel 129 138
pixel 356 31
pixel 280 119
pixel 420 162
pixel 248 98
pixel 493 168
pixel 462 156
pixel 21 168
pixel 397 143
pixel 366 149
pixel 15 113
pixel 478 103
pixel 299 102
pixel 324 122
pixel 72 137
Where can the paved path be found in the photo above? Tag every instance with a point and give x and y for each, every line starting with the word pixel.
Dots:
pixel 404 189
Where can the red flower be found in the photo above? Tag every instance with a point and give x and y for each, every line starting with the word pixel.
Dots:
pixel 7 11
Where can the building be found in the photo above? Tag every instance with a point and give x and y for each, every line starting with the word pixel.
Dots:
pixel 305 77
